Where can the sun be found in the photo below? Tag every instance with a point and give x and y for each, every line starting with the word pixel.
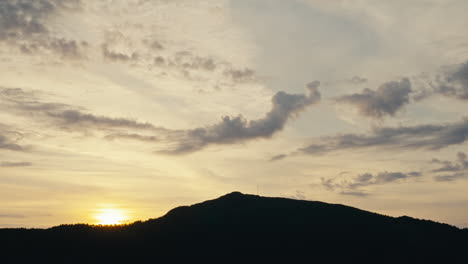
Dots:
pixel 110 216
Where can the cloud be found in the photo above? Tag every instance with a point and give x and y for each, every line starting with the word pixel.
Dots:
pixel 450 177
pixel 67 48
pixel 62 115
pixel 358 80
pixel 77 119
pixel 452 81
pixel 203 68
pixel 237 75
pixel 237 129
pixel 457 169
pixel 118 56
pixel 153 44
pixel 133 136
pixel 353 186
pixel 387 100
pixel 355 193
pixel 186 61
pixel 23 19
pixel 229 131
pixel 300 195
pixel 7 164
pixel 9 139
pixel 7 144
pixel 23 24
pixel 278 157
pixel 11 216
pixel 430 137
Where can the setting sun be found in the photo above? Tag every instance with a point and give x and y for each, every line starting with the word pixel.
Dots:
pixel 110 216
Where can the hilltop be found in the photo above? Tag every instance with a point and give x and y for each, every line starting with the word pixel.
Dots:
pixel 238 226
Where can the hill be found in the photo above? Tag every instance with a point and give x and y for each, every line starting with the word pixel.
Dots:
pixel 243 228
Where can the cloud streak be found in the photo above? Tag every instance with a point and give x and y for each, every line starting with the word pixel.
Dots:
pixel 429 137
pixel 454 170
pixel 133 136
pixel 237 129
pixel 354 185
pixel 64 116
pixel 8 164
pixel 230 130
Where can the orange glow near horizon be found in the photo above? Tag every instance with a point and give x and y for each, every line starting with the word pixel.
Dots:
pixel 110 216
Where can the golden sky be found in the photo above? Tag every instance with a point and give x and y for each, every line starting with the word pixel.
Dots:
pixel 125 109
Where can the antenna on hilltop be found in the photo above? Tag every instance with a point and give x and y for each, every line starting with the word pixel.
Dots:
pixel 257 190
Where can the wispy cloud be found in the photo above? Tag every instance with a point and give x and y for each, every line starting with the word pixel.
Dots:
pixel 429 137
pixel 353 186
pixel 11 216
pixel 7 164
pixel 64 116
pixel 454 169
pixel 10 138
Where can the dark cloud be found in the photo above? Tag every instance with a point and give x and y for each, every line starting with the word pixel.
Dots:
pixel 7 143
pixel 10 138
pixel 159 61
pixel 230 130
pixel 451 177
pixel 27 102
pixel 358 80
pixel 353 186
pixel 153 44
pixel 15 164
pixel 238 129
pixel 133 136
pixel 355 193
pixel 23 18
pixel 452 82
pixel 237 75
pixel 278 157
pixel 77 119
pixel 62 115
pixel 187 60
pixel 23 23
pixel 118 56
pixel 457 169
pixel 67 48
pixel 387 100
pixel 193 66
pixel 430 137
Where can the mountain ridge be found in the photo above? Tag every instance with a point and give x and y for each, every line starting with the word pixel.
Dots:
pixel 241 225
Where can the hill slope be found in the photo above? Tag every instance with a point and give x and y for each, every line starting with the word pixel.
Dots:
pixel 238 226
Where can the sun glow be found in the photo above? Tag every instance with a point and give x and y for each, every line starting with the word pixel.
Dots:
pixel 110 216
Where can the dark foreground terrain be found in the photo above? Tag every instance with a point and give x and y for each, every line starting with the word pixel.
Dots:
pixel 245 228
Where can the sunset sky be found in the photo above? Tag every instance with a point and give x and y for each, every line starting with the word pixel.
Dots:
pixel 137 106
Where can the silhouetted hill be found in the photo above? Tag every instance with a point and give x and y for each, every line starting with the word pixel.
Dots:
pixel 243 228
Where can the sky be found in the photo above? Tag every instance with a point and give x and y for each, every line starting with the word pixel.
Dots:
pixel 139 106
